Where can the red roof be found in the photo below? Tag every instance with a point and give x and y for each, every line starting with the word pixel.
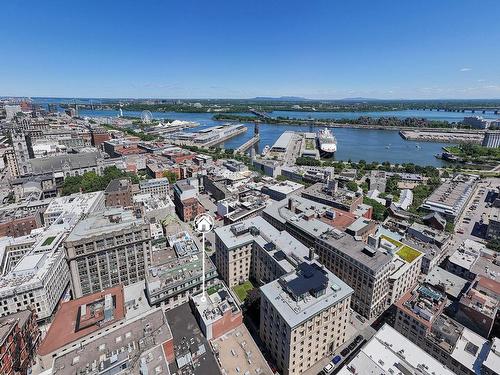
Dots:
pixel 489 284
pixel 64 330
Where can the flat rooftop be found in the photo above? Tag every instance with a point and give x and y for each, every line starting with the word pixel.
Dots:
pixel 218 300
pixel 340 196
pixel 285 187
pixel 471 350
pixel 283 141
pixel 357 250
pixel 389 352
pixel 266 233
pixel 138 342
pixel 492 361
pixel 305 292
pixel 68 326
pixel 302 215
pixel 423 303
pixel 103 222
pixel 446 281
pixel 450 197
pixel 191 348
pixel 237 352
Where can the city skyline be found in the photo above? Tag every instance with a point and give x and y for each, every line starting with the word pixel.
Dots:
pixel 226 50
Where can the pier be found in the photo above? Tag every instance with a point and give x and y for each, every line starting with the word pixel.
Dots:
pixel 442 136
pixel 248 144
pixel 223 138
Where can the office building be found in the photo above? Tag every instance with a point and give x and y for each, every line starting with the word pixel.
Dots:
pixel 378 180
pixel 246 206
pixel 153 208
pixel 303 218
pixel 478 307
pixel 473 259
pixel 427 234
pixel 303 316
pixel 19 222
pixel 77 204
pixel 107 248
pixel 236 351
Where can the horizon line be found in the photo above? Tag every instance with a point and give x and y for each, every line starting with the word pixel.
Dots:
pixel 299 98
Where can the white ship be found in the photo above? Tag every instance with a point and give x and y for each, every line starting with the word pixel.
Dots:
pixel 327 143
pixel 265 150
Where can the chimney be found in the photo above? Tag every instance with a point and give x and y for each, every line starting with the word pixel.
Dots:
pixel 312 254
pixel 373 241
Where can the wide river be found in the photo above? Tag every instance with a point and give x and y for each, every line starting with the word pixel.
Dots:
pixel 352 144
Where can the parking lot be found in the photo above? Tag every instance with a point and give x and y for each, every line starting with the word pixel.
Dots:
pixel 474 220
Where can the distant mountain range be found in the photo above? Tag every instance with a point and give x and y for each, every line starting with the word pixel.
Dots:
pixel 359 98
pixel 282 98
pixel 302 99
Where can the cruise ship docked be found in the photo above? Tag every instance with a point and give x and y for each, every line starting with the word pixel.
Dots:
pixel 327 143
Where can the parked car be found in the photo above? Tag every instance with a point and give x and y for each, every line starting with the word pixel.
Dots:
pixel 345 352
pixel 328 368
pixel 358 339
pixel 336 359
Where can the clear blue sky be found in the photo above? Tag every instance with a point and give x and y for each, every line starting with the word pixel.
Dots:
pixel 239 49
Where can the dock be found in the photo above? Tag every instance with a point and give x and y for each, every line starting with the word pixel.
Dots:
pixel 224 138
pixel 248 144
pixel 442 136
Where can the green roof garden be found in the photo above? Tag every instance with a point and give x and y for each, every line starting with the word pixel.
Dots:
pixel 391 240
pixel 48 241
pixel 243 289
pixel 408 253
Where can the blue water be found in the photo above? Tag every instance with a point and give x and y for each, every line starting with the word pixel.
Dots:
pixel 352 144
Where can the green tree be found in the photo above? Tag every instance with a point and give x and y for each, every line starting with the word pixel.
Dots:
pixel 352 186
pixel 493 245
pixel 172 177
pixel 379 210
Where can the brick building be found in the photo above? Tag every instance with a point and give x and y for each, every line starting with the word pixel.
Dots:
pixel 19 339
